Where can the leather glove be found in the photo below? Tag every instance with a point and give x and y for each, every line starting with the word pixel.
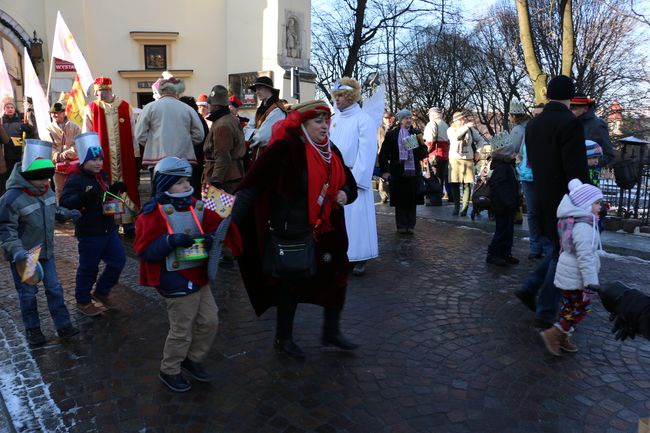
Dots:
pixel 117 188
pixel 610 294
pixel 88 197
pixel 20 256
pixel 208 241
pixel 622 330
pixel 180 240
pixel 26 128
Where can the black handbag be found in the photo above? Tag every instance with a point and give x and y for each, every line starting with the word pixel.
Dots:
pixel 290 256
pixel 429 185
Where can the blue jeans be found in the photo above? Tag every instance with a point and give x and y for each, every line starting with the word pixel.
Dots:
pixel 538 242
pixel 53 292
pixel 541 281
pixel 93 249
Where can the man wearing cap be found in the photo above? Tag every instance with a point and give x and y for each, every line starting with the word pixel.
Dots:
pixel 224 147
pixel 17 130
pixel 436 139
pixel 353 132
pixel 268 113
pixel 584 108
pixel 112 119
pixel 555 146
pixel 62 133
pixel 168 127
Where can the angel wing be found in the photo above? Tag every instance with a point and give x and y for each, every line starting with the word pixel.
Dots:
pixel 374 106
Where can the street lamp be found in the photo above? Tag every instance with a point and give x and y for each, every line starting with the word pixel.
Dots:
pixel 36 48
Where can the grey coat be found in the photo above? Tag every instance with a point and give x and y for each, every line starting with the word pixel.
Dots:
pixel 26 220
pixel 596 130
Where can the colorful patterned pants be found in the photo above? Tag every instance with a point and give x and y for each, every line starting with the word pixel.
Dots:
pixel 576 304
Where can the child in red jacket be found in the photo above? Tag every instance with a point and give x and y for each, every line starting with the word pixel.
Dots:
pixel 172 238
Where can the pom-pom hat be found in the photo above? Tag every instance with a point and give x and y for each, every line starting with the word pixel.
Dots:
pixel 583 195
pixel 593 149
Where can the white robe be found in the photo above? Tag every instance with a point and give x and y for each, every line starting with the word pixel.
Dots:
pixel 352 132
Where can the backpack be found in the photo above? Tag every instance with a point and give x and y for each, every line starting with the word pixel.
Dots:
pixel 625 173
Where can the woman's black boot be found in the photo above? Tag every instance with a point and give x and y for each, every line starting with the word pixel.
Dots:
pixel 332 334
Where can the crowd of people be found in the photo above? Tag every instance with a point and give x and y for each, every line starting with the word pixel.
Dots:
pixel 304 214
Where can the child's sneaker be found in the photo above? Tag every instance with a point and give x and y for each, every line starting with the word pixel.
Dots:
pixel 89 309
pixel 175 382
pixel 67 331
pixel 196 371
pixel 106 300
pixel 35 337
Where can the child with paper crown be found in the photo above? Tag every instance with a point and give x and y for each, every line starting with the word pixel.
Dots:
pixel 173 236
pixel 87 190
pixel 27 212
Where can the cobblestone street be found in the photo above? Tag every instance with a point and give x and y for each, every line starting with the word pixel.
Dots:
pixel 446 347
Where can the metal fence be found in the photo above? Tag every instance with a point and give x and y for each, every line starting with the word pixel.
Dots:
pixel 629 203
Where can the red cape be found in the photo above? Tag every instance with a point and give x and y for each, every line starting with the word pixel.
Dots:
pixel 150 226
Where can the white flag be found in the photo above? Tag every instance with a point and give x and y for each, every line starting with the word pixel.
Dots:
pixel 5 82
pixel 32 88
pixel 64 47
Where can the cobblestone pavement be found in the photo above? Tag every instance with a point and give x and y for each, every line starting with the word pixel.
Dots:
pixel 445 348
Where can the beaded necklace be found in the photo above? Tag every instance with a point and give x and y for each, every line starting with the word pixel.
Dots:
pixel 324 150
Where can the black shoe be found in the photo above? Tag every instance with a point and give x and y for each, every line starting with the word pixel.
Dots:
pixel 541 325
pixel 35 337
pixel 196 371
pixel 67 331
pixel 175 382
pixel 463 213
pixel 526 298
pixel 359 269
pixel 535 256
pixel 339 341
pixel 512 260
pixel 290 348
pixel 498 261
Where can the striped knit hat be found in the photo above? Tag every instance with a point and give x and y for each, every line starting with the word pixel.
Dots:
pixel 593 149
pixel 583 195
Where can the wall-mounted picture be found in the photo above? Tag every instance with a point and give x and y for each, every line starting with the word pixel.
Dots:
pixel 155 57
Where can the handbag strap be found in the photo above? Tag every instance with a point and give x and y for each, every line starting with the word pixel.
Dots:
pixel 322 205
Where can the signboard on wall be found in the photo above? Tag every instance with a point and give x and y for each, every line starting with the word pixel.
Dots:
pixel 63 66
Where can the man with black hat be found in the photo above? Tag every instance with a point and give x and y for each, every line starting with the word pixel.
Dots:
pixel 224 146
pixel 62 133
pixel 14 124
pixel 270 111
pixel 584 108
pixel 555 145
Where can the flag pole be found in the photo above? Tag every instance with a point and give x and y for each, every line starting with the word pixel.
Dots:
pixel 49 81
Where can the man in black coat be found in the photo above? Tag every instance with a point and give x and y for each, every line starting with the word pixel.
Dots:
pixel 555 144
pixel 584 108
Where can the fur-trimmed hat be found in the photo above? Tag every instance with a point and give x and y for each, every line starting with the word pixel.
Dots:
pixel 347 86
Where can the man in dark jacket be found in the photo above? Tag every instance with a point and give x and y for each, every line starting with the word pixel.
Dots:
pixel 584 108
pixel 13 123
pixel 555 144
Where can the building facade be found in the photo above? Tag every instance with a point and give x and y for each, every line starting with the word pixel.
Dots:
pixel 203 42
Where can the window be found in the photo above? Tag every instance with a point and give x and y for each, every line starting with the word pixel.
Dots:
pixel 155 57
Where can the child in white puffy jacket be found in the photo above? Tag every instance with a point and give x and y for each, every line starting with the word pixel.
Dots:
pixel 578 265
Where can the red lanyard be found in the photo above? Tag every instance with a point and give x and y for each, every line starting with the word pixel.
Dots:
pixel 169 227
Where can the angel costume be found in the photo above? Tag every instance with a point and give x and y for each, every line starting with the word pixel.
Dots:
pixel 354 131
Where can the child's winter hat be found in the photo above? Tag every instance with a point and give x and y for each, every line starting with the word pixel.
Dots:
pixel 88 147
pixel 37 160
pixel 583 195
pixel 593 149
pixel 168 171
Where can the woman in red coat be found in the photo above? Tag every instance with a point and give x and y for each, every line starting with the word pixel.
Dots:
pixel 289 209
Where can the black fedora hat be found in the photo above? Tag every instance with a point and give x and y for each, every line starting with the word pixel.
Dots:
pixel 263 81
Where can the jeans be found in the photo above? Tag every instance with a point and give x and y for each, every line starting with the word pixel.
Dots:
pixel 541 281
pixel 53 292
pixel 501 245
pixel 538 242
pixel 92 250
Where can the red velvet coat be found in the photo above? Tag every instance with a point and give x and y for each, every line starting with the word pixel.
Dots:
pixel 281 170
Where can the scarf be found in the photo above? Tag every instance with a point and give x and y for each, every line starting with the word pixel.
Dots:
pixel 317 177
pixel 405 156
pixel 565 231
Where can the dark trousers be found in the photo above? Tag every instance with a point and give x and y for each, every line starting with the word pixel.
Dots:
pixel 541 281
pixel 93 249
pixel 501 245
pixel 405 216
pixel 442 172
pixel 287 304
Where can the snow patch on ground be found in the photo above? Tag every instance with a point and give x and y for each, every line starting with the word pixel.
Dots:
pixel 620 258
pixel 26 396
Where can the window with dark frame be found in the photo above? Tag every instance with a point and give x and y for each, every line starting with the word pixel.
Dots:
pixel 155 57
